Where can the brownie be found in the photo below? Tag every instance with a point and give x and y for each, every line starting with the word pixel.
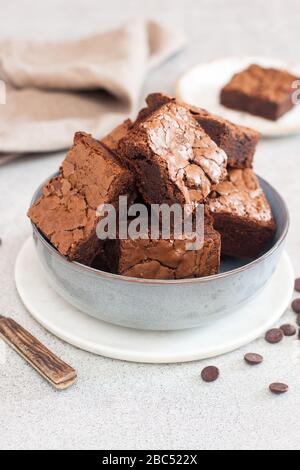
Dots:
pixel 66 213
pixel 242 215
pixel 264 92
pixel 111 141
pixel 238 142
pixel 174 160
pixel 162 259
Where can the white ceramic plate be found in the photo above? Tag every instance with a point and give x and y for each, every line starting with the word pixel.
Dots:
pixel 201 86
pixel 95 336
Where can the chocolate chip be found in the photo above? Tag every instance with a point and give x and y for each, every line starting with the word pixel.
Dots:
pixel 296 305
pixel 278 388
pixel 297 285
pixel 274 336
pixel 288 330
pixel 253 359
pixel 210 374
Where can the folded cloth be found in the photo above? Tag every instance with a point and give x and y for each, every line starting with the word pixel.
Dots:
pixel 7 158
pixel 56 89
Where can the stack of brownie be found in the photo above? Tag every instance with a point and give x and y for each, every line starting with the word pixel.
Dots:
pixel 172 153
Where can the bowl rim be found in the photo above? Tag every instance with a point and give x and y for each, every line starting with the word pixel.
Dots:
pixel 201 280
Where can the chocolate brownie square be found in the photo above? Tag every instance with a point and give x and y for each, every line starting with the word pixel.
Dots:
pixel 66 213
pixel 264 92
pixel 162 259
pixel 242 215
pixel 238 142
pixel 174 160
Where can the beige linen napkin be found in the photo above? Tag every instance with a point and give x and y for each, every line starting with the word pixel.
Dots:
pixel 54 90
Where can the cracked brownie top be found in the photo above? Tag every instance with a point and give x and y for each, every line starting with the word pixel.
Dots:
pixel 66 213
pixel 173 158
pixel 165 259
pixel 238 142
pixel 241 195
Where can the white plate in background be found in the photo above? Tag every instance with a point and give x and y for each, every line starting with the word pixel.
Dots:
pixel 201 86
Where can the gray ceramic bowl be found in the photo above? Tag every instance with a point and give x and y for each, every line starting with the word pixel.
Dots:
pixel 163 305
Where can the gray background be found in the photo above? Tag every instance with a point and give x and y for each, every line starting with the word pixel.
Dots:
pixel 117 405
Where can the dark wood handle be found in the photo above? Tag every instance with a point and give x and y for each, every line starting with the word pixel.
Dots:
pixel 53 369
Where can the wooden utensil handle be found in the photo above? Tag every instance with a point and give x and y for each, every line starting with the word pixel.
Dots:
pixel 53 369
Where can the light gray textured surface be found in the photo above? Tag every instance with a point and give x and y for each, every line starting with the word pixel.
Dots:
pixel 117 405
